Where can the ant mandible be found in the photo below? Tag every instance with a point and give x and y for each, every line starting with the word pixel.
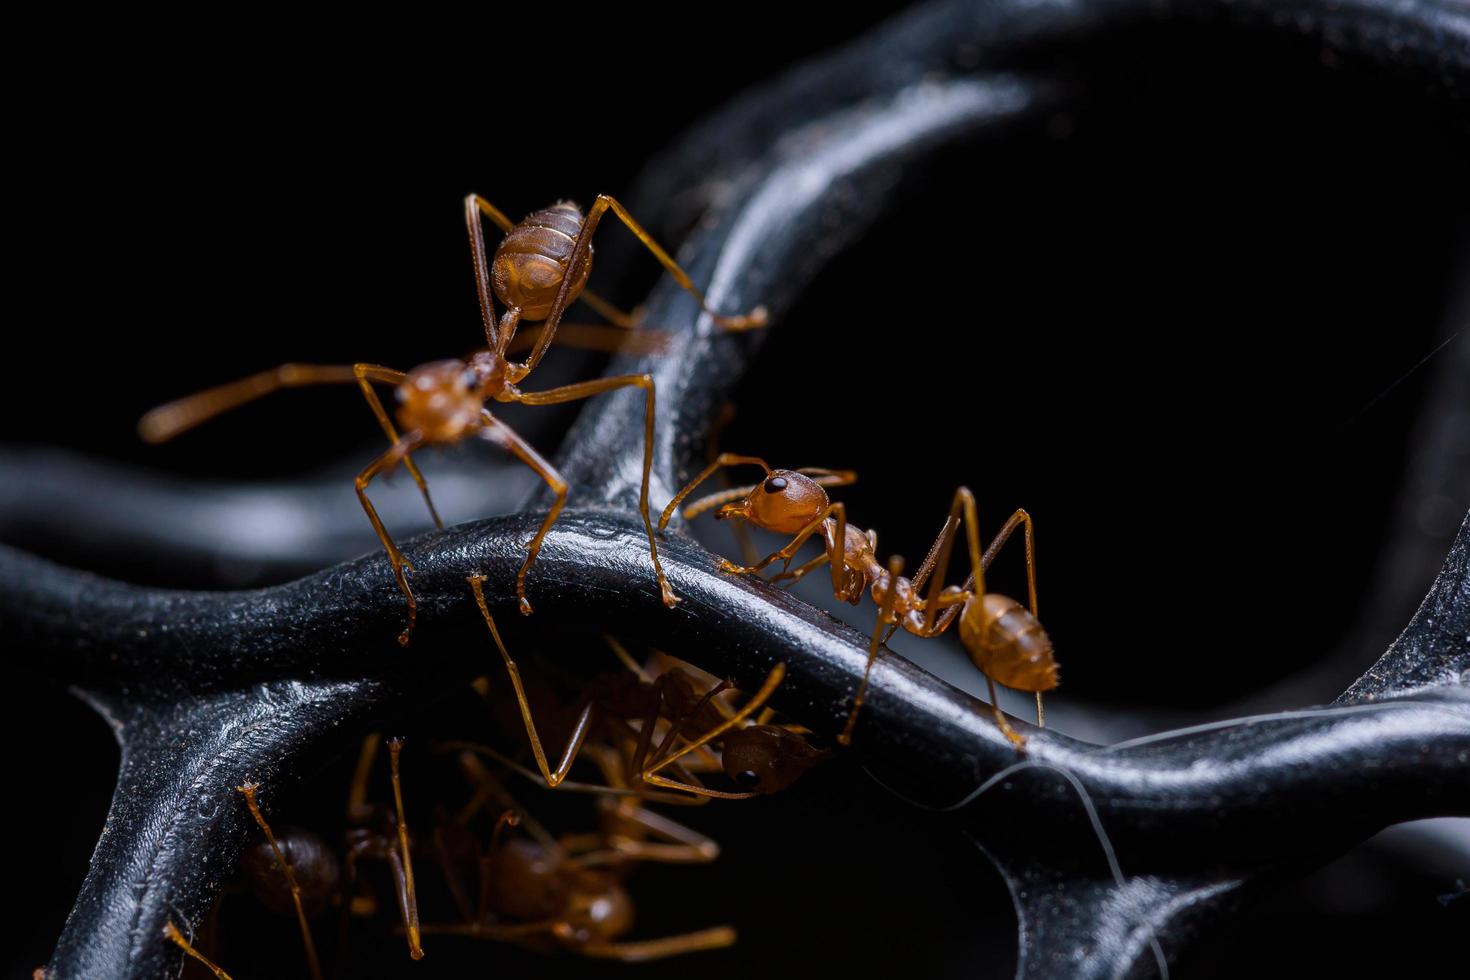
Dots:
pixel 539 268
pixel 1004 639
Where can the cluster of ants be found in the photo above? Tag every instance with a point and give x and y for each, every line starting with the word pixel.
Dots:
pixel 654 738
pixel 654 733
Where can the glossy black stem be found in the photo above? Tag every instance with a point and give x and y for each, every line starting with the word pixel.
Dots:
pixel 208 690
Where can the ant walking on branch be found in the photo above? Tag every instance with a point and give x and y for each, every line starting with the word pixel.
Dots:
pixel 1004 639
pixel 539 268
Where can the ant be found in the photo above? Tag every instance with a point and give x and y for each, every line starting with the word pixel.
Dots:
pixel 539 268
pixel 566 893
pixel 297 870
pixel 1004 639
pixel 762 757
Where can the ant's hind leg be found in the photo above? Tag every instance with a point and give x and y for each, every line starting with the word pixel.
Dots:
pixel 580 252
pixel 586 389
pixel 875 645
pixel 497 431
pixel 750 321
pixel 584 720
pixel 1020 519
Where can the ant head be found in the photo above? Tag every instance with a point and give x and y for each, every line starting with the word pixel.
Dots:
pixel 785 502
pixel 443 400
pixel 766 759
pixel 531 260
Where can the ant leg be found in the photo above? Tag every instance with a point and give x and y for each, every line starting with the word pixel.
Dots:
pixel 750 321
pixel 964 503
pixel 248 791
pixel 497 431
pixel 836 551
pixel 507 818
pixel 172 932
pixel 407 899
pixel 395 557
pixel 474 207
pixel 641 951
pixel 1021 518
pixel 357 809
pixel 797 574
pixel 739 529
pixel 756 318
pixel 486 793
pixel 885 615
pixel 584 720
pixel 597 337
pixel 679 844
pixel 586 389
pixel 713 500
pixel 167 421
pixel 650 774
pixel 368 373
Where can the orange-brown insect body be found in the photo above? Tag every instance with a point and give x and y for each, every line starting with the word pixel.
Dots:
pixel 538 269
pixel 788 501
pixel 1003 638
pixel 534 257
pixel 530 883
pixel 1006 642
pixel 444 400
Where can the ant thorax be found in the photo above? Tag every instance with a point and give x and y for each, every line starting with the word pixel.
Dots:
pixel 442 400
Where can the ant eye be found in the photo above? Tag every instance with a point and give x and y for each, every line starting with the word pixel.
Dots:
pixel 749 779
pixel 776 484
pixel 471 378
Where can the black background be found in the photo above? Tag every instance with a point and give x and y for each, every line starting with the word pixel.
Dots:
pixel 1162 321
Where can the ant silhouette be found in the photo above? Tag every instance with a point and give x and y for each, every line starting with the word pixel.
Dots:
pixel 548 893
pixel 296 870
pixel 1004 639
pixel 755 754
pixel 539 268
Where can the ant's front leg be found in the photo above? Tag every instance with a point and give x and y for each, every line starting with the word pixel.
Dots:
pixel 400 564
pixel 497 431
pixel 836 553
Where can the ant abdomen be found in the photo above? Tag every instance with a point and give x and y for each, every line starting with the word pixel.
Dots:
pixel 315 866
pixel 532 259
pixel 1008 643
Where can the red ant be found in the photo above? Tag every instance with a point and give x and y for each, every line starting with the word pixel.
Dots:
pixel 296 870
pixel 547 893
pixel 539 268
pixel 1004 639
pixel 762 757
